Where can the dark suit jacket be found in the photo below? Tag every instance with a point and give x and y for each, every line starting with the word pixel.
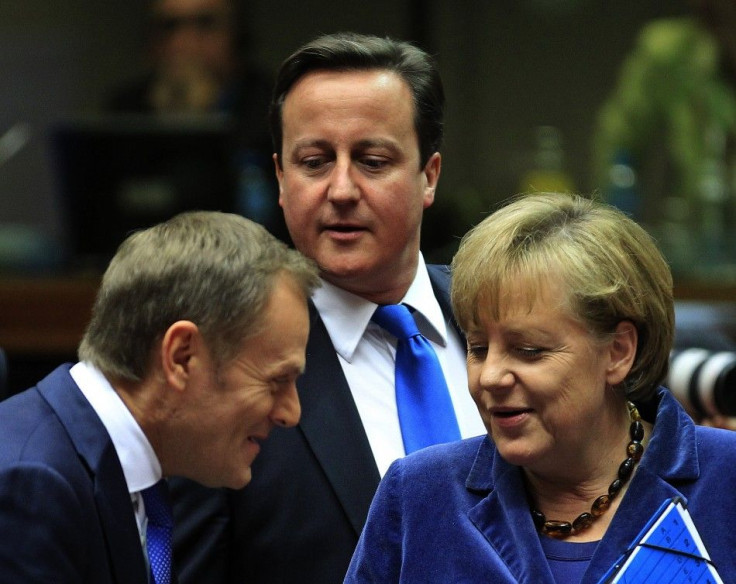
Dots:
pixel 65 511
pixel 300 518
pixel 458 513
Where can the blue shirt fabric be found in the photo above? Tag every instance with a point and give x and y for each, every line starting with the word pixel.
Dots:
pixel 567 560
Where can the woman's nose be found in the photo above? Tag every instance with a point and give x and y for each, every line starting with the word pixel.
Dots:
pixel 495 373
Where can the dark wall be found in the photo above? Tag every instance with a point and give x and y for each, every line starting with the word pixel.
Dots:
pixel 56 57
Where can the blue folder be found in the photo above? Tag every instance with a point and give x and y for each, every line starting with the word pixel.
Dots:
pixel 667 551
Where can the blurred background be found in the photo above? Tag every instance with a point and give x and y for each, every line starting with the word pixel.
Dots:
pixel 509 67
pixel 579 95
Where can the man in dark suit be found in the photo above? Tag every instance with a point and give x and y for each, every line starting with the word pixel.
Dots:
pixel 357 127
pixel 183 370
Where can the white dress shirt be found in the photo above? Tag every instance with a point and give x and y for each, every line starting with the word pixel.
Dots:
pixel 367 355
pixel 141 467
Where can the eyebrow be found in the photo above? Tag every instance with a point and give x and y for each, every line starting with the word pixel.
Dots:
pixel 378 143
pixel 361 144
pixel 310 143
pixel 288 368
pixel 516 332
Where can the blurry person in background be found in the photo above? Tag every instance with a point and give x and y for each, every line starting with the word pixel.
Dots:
pixel 198 61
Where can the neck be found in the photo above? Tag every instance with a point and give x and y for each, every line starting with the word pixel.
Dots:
pixel 146 403
pixel 580 505
pixel 390 290
pixel 583 459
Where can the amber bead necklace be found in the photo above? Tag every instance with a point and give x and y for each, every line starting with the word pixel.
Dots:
pixel 634 450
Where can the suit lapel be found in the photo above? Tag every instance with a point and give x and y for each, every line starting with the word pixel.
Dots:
pixel 503 517
pixel 504 520
pixel 329 411
pixel 439 276
pixel 116 515
pixel 95 448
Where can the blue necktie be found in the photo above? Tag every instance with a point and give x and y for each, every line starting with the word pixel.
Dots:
pixel 426 415
pixel 158 532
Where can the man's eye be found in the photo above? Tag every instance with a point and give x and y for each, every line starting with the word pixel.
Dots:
pixel 286 379
pixel 312 163
pixel 374 163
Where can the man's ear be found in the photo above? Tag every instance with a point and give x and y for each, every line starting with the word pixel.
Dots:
pixel 622 352
pixel 279 177
pixel 431 173
pixel 182 341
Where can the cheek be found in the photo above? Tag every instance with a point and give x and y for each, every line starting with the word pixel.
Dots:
pixel 474 364
pixel 253 409
pixel 296 215
pixel 473 370
pixel 477 393
pixel 399 212
pixel 298 199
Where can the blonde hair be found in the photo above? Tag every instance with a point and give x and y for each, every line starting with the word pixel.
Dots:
pixel 609 265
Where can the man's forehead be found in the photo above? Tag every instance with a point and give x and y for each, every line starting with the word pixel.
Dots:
pixel 377 77
pixel 186 7
pixel 332 94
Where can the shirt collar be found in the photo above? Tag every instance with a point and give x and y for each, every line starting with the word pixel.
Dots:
pixel 140 464
pixel 346 316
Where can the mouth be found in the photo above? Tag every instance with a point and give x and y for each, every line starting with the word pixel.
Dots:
pixel 507 413
pixel 257 440
pixel 343 228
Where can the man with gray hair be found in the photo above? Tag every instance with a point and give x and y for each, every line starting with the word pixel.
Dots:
pixel 197 337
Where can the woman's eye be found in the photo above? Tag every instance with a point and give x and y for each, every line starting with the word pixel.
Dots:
pixel 477 351
pixel 529 352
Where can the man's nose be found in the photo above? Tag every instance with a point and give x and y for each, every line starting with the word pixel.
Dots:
pixel 287 410
pixel 343 187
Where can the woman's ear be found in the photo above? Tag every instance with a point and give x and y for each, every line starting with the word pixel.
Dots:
pixel 622 352
pixel 180 344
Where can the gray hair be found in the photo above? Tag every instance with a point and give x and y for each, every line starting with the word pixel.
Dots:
pixel 213 269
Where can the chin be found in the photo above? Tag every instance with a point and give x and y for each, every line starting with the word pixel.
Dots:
pixel 240 481
pixel 516 453
pixel 343 264
pixel 349 279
